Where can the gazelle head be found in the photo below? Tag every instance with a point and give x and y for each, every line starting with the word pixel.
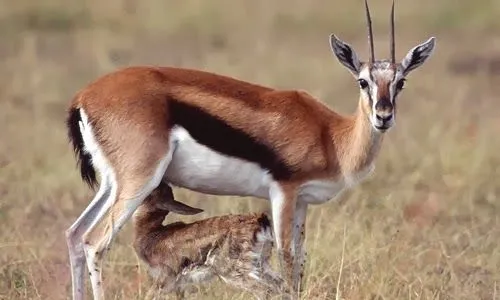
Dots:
pixel 380 81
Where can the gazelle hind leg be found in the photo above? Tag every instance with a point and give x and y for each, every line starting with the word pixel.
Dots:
pixel 131 193
pixel 96 209
pixel 74 238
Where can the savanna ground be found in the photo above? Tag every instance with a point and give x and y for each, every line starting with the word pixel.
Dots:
pixel 424 226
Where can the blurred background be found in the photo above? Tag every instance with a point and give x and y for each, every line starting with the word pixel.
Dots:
pixel 424 226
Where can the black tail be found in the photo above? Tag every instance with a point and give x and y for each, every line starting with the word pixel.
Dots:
pixel 84 160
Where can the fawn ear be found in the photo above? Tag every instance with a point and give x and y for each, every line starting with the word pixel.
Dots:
pixel 345 54
pixel 177 207
pixel 418 55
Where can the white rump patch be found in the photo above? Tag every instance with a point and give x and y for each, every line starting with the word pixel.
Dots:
pixel 99 161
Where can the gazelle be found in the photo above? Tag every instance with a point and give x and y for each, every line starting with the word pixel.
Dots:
pixel 234 248
pixel 144 128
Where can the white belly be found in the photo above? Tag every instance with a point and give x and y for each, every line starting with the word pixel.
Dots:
pixel 199 168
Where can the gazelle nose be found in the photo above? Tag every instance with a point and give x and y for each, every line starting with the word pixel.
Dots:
pixel 384 118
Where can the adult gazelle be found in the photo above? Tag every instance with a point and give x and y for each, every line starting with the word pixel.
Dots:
pixel 146 128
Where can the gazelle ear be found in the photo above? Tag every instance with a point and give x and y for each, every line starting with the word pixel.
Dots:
pixel 346 55
pixel 418 55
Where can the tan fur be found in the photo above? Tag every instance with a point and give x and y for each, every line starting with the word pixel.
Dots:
pixel 129 114
pixel 360 142
pixel 383 88
pixel 305 132
pixel 230 247
pixel 148 127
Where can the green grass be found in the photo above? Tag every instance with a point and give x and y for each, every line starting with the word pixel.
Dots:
pixel 424 226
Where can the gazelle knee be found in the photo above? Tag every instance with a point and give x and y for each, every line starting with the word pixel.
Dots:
pixel 74 242
pixel 70 237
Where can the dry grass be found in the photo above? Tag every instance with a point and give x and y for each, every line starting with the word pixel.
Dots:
pixel 424 226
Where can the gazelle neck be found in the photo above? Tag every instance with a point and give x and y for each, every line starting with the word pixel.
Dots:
pixel 359 143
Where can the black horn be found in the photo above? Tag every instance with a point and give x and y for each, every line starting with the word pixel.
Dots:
pixel 393 43
pixel 370 32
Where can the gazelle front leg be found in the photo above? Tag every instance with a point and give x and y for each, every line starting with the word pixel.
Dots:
pixel 299 228
pixel 283 205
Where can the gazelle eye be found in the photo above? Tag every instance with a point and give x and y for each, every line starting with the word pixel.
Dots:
pixel 400 84
pixel 363 83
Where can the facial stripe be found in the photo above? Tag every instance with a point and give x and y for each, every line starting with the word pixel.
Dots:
pixel 381 76
pixel 370 68
pixel 372 94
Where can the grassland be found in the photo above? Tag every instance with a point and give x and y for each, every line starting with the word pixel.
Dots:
pixel 425 226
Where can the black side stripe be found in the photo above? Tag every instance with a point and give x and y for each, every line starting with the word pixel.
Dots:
pixel 214 133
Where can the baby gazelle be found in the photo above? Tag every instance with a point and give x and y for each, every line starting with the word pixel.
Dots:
pixel 235 248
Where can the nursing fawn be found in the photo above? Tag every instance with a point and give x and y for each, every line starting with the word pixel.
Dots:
pixel 234 248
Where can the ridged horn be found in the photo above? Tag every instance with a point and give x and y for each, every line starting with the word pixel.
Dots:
pixel 370 32
pixel 393 43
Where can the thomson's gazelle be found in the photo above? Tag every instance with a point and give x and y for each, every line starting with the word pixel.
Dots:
pixel 144 128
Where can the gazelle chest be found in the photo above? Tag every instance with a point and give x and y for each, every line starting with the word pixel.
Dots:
pixel 320 191
pixel 324 190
